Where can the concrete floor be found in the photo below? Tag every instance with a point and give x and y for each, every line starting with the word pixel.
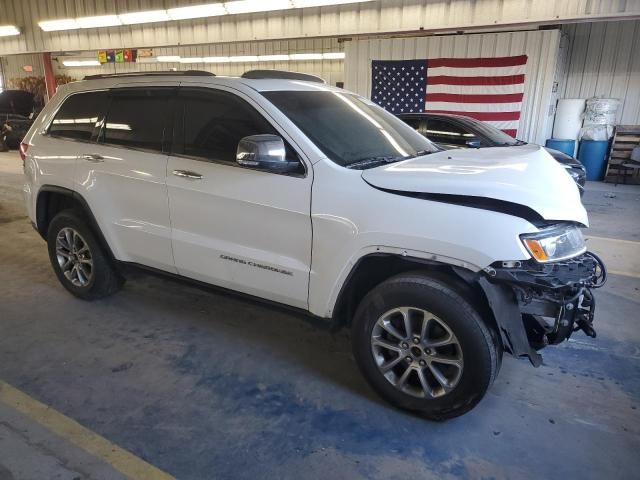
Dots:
pixel 206 385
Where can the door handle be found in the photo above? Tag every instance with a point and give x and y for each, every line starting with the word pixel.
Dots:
pixel 187 174
pixel 92 157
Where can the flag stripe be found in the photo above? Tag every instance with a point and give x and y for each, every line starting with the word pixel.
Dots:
pixel 476 107
pixel 477 72
pixel 476 89
pixel 498 80
pixel 482 115
pixel 511 131
pixel 477 62
pixel 477 98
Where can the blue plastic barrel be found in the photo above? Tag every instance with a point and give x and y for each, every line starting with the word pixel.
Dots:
pixel 565 146
pixel 593 155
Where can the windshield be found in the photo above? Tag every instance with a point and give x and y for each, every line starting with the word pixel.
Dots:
pixel 496 136
pixel 351 131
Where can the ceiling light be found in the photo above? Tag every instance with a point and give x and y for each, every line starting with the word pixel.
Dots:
pixel 249 6
pixel 273 58
pixel 8 30
pixel 168 58
pixel 102 21
pixel 244 58
pixel 180 13
pixel 55 25
pixel 333 56
pixel 216 59
pixel 144 17
pixel 81 63
pixel 306 56
pixel 322 3
pixel 192 60
pixel 197 11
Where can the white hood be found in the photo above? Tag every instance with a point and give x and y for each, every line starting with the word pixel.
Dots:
pixel 526 175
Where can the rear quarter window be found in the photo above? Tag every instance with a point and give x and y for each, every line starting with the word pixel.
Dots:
pixel 79 116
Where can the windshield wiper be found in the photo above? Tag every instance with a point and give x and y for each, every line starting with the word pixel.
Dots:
pixel 420 153
pixel 369 162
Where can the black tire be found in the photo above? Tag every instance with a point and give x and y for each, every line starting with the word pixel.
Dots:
pixel 481 353
pixel 104 280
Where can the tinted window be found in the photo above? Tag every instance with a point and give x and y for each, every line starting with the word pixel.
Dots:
pixel 350 130
pixel 441 131
pixel 215 122
pixel 78 116
pixel 412 122
pixel 491 136
pixel 137 119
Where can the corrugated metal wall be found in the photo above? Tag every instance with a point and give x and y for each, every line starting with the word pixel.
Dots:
pixel 541 47
pixel 381 16
pixel 604 61
pixel 331 70
pixel 12 67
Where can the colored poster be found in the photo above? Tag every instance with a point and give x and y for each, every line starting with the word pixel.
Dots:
pixel 111 56
pixel 102 56
pixel 119 56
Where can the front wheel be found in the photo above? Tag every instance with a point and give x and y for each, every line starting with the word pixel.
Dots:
pixel 423 347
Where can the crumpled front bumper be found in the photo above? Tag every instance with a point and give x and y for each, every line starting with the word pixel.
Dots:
pixel 536 305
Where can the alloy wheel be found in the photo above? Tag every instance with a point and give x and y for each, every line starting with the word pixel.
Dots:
pixel 74 257
pixel 417 352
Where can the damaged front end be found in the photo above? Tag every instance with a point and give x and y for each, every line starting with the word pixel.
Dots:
pixel 539 304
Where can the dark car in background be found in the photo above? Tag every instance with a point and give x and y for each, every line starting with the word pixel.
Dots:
pixel 16 113
pixel 457 131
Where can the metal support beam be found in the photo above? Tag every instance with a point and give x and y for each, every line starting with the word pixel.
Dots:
pixel 49 76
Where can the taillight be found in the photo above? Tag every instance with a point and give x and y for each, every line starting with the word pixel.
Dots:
pixel 23 151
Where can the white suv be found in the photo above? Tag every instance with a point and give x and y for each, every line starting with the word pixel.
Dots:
pixel 281 187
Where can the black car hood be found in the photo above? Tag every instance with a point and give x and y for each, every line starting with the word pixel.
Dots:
pixel 563 158
pixel 17 102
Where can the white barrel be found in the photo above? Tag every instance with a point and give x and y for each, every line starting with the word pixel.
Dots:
pixel 568 118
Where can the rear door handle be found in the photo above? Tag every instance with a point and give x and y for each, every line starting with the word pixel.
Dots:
pixel 187 174
pixel 92 157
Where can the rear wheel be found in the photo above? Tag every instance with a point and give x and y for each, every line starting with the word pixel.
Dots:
pixel 423 347
pixel 80 263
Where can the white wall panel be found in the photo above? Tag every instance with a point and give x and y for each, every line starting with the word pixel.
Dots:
pixel 604 61
pixel 380 16
pixel 12 67
pixel 541 48
pixel 331 70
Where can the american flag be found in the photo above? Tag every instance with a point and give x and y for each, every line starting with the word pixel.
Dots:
pixel 487 89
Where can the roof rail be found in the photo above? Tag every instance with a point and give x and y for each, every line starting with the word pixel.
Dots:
pixel 281 74
pixel 184 73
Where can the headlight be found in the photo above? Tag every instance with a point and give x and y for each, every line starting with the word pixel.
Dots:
pixel 555 243
pixel 574 174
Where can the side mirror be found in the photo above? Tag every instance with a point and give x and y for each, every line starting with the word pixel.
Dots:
pixel 264 152
pixel 475 143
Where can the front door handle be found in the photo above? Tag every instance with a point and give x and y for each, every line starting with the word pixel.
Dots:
pixel 92 157
pixel 187 174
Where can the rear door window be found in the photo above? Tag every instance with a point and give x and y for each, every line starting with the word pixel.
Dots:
pixel 79 116
pixel 138 119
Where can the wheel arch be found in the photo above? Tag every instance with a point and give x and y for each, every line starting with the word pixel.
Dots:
pixel 373 269
pixel 53 199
